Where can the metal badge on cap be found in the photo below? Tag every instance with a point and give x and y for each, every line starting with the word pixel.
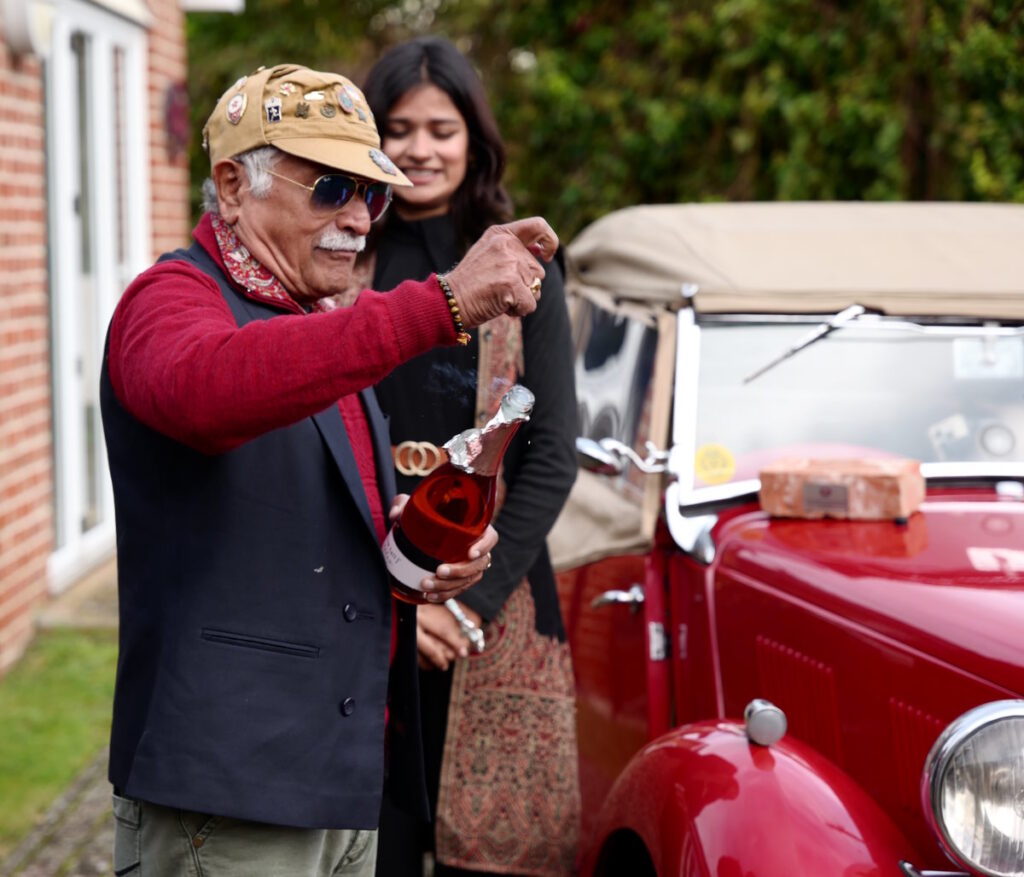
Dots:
pixel 383 162
pixel 289 103
pixel 235 108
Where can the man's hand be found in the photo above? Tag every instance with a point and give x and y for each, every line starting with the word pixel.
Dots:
pixel 501 274
pixel 439 639
pixel 451 579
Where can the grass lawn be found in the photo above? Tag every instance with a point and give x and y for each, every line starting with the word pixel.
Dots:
pixel 54 718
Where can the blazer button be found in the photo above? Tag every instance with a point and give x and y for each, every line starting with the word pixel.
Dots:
pixel 348 706
pixel 350 612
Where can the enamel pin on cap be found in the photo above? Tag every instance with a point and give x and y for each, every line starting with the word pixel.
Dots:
pixel 382 161
pixel 235 108
pixel 318 116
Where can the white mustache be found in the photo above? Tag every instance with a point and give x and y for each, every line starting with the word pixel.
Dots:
pixel 335 239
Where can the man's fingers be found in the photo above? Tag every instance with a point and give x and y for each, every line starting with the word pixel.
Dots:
pixel 536 235
pixel 524 305
pixel 448 588
pixel 497 277
pixel 453 578
pixel 397 504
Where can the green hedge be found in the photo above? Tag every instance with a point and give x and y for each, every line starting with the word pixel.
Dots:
pixel 607 104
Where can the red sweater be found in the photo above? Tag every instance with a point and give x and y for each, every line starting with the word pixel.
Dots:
pixel 180 364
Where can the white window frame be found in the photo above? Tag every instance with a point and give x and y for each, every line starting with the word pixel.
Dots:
pixel 78 551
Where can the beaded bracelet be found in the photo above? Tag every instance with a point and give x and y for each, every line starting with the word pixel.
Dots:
pixel 461 335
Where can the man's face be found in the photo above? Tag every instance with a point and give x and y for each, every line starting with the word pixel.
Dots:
pixel 310 250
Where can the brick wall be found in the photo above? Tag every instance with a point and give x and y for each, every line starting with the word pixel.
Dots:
pixel 26 435
pixel 170 179
pixel 26 471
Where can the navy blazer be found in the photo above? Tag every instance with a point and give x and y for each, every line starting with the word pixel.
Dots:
pixel 255 621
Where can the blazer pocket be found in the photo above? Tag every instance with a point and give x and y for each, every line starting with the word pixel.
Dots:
pixel 260 643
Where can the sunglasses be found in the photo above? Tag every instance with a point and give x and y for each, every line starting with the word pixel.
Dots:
pixel 334 191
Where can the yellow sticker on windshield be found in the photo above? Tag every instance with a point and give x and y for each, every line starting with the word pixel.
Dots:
pixel 714 464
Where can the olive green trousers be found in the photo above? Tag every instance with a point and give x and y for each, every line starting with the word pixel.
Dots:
pixel 155 841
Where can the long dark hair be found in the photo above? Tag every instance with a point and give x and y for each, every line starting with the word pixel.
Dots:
pixel 481 200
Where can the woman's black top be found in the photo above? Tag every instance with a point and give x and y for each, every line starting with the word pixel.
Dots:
pixel 433 397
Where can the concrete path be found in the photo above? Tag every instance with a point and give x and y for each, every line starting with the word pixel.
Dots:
pixel 75 837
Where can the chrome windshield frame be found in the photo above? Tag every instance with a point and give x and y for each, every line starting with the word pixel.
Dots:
pixel 691 511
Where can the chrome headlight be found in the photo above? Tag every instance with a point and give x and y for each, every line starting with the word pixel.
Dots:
pixel 972 789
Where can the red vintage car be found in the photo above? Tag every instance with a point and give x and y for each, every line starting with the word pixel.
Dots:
pixel 808 688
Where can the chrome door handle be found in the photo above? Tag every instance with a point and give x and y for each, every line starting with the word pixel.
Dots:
pixel 633 598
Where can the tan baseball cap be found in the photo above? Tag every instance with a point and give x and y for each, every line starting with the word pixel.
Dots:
pixel 318 116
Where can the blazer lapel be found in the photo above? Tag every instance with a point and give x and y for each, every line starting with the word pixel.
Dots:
pixel 332 429
pixel 380 430
pixel 328 421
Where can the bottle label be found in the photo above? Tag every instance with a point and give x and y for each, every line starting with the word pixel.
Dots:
pixel 405 562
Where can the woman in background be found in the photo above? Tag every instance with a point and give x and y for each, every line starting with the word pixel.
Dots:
pixel 499 725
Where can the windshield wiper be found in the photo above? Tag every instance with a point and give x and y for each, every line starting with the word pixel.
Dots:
pixel 816 334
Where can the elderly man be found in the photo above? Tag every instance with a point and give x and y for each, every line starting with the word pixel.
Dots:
pixel 251 476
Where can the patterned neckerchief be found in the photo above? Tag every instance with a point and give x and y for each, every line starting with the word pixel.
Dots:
pixel 247 271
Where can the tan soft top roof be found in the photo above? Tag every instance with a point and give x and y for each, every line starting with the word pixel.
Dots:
pixel 921 259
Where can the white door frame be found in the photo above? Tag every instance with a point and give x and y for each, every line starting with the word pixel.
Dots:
pixel 79 326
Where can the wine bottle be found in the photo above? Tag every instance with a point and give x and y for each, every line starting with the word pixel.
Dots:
pixel 452 506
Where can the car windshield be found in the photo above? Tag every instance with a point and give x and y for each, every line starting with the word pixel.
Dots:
pixel 877 386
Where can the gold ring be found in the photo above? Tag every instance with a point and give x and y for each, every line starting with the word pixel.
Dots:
pixel 535 287
pixel 488 560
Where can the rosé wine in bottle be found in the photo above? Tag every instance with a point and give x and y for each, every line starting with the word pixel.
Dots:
pixel 452 506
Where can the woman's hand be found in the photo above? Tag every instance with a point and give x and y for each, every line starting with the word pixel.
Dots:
pixel 439 639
